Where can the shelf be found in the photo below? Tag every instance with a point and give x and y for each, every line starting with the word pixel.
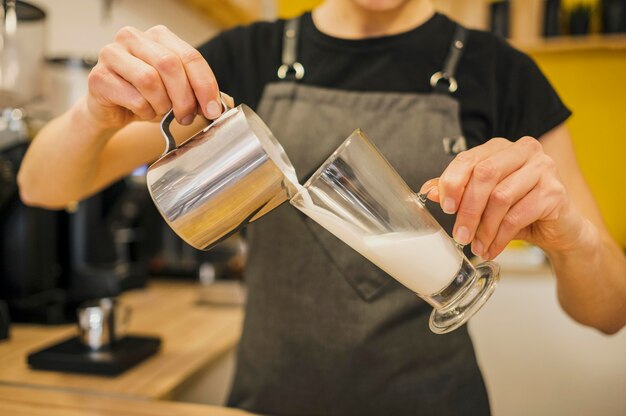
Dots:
pixel 526 26
pixel 574 44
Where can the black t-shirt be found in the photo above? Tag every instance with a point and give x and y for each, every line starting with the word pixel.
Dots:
pixel 502 92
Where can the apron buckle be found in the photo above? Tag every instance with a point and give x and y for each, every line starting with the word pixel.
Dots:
pixel 438 76
pixel 285 69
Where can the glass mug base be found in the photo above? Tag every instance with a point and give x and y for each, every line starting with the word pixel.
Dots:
pixel 480 283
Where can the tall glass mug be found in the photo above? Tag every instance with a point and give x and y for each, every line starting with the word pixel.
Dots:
pixel 359 197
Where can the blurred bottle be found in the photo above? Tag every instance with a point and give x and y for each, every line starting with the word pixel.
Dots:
pixel 580 19
pixel 499 18
pixel 614 16
pixel 552 19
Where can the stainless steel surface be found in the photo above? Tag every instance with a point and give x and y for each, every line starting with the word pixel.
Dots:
pixel 101 322
pixel 228 174
pixel 22 39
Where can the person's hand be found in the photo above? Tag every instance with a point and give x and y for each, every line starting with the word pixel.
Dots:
pixel 142 75
pixel 502 191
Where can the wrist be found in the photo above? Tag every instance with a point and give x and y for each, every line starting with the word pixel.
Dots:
pixel 583 243
pixel 82 118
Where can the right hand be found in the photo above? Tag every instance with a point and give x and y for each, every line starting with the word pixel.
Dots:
pixel 142 75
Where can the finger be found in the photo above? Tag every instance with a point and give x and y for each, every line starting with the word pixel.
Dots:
pixel 455 177
pixel 506 194
pixel 433 194
pixel 230 101
pixel 139 74
pixel 110 88
pixel 485 176
pixel 430 189
pixel 525 212
pixel 198 71
pixel 170 69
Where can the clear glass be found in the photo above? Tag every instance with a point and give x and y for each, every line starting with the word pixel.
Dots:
pixel 360 198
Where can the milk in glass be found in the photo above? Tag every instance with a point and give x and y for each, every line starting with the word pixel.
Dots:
pixel 426 263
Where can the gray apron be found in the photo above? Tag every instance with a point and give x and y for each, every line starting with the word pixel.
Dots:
pixel 326 332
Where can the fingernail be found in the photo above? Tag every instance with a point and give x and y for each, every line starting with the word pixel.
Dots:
pixel 477 248
pixel 449 206
pixel 462 235
pixel 213 109
pixel 187 120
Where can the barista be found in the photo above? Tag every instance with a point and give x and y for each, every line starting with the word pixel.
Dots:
pixel 326 332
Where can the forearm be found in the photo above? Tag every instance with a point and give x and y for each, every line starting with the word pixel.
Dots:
pixel 591 280
pixel 63 159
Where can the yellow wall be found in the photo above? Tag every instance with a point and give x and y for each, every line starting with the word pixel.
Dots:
pixel 593 85
pixel 292 8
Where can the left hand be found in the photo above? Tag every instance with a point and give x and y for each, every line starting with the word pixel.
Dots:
pixel 505 190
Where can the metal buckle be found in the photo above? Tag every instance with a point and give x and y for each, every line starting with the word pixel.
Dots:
pixel 438 76
pixel 297 67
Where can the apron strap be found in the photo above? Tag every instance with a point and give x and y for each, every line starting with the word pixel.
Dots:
pixel 452 61
pixel 291 68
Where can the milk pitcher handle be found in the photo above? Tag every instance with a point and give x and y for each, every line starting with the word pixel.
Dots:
pixel 170 143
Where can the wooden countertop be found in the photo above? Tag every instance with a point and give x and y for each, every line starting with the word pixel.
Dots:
pixel 193 336
pixel 17 401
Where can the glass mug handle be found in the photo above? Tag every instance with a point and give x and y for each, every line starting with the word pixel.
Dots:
pixel 170 143
pixel 423 197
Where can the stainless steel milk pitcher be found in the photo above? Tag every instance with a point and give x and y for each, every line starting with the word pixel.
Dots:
pixel 102 322
pixel 225 176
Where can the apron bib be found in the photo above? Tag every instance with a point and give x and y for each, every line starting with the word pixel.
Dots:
pixel 327 332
